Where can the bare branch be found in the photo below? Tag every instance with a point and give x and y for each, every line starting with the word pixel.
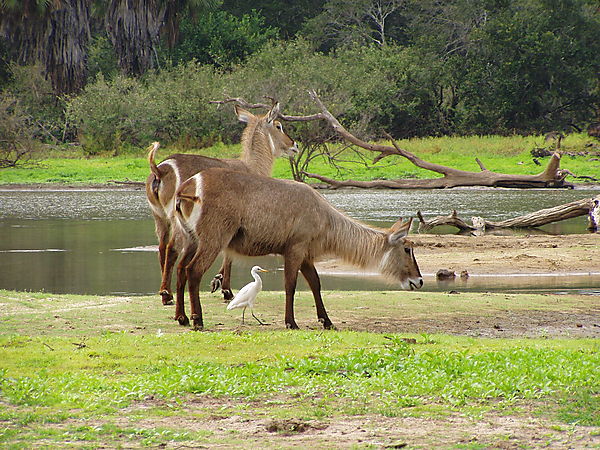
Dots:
pixel 480 164
pixel 317 116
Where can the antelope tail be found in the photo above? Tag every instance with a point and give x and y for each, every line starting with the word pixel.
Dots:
pixel 153 167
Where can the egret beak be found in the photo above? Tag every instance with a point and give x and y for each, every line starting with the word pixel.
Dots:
pixel 263 270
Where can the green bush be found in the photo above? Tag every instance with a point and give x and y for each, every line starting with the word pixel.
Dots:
pixel 169 106
pixel 37 99
pixel 17 131
pixel 221 39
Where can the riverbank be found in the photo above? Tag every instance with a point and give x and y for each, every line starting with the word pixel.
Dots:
pixel 503 154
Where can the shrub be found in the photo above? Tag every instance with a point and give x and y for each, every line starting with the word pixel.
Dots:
pixel 222 39
pixel 37 99
pixel 168 106
pixel 17 131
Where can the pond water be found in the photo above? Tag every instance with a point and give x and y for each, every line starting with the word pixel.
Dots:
pixel 103 242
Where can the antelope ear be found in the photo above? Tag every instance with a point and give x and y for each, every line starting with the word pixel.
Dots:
pixel 399 231
pixel 273 113
pixel 243 115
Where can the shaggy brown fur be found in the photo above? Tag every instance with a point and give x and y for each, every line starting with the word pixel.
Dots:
pixel 251 215
pixel 262 141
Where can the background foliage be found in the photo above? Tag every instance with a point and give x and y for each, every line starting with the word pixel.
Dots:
pixel 411 68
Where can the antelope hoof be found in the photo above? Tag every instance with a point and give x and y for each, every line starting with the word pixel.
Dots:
pixel 167 298
pixel 227 294
pixel 327 324
pixel 183 320
pixel 198 323
pixel 291 326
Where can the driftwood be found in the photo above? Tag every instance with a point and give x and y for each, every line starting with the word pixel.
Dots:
pixel 451 220
pixel 551 177
pixel 586 206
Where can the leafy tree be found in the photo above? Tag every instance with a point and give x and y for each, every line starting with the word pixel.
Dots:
pixel 17 129
pixel 535 67
pixel 221 38
pixel 288 17
pixel 345 22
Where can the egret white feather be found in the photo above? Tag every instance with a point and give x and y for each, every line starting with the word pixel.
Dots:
pixel 246 297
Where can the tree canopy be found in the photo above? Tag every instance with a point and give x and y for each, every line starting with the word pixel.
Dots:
pixel 410 67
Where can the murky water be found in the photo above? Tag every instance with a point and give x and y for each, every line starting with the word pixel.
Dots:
pixel 102 242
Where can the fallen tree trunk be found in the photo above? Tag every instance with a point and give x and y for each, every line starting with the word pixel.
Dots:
pixel 451 220
pixel 553 176
pixel 586 206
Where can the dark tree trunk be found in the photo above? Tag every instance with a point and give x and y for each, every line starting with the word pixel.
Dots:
pixel 133 27
pixel 65 39
pixel 56 36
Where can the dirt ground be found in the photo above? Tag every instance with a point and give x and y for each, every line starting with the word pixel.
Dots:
pixel 493 430
pixel 502 255
pixel 508 254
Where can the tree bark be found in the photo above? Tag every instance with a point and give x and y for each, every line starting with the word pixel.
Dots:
pixel 54 33
pixel 586 206
pixel 133 27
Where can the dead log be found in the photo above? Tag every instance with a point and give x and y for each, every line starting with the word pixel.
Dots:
pixel 451 220
pixel 545 216
pixel 551 177
pixel 594 215
pixel 586 206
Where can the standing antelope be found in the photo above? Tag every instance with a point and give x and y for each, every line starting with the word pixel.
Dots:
pixel 262 141
pixel 254 215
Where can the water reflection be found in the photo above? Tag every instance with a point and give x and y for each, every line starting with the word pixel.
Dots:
pixel 103 242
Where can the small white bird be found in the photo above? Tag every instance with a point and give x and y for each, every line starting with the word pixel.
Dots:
pixel 247 295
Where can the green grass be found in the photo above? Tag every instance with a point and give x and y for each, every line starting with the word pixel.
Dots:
pixel 499 154
pixel 70 365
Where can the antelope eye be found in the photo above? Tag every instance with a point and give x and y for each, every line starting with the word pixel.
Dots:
pixel 407 250
pixel 279 126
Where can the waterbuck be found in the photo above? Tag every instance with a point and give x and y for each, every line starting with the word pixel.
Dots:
pixel 262 141
pixel 251 215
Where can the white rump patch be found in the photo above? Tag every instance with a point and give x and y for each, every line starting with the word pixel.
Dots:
pixel 194 217
pixel 170 206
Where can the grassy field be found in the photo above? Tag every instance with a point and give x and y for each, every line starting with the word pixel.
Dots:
pixel 499 154
pixel 92 371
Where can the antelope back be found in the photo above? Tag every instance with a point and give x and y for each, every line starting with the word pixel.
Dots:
pixel 264 140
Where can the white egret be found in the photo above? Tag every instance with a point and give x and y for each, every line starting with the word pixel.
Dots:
pixel 247 295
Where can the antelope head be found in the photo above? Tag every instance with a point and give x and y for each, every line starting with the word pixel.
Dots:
pixel 268 126
pixel 398 262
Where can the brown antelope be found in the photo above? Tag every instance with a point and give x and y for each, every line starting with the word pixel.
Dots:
pixel 262 141
pixel 252 215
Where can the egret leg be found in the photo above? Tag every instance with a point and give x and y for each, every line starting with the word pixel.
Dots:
pixel 259 321
pixel 243 312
